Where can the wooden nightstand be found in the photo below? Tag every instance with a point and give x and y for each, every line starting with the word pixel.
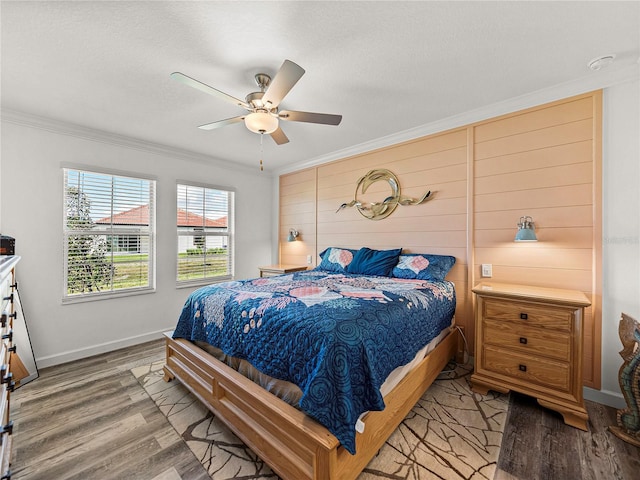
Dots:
pixel 280 269
pixel 529 339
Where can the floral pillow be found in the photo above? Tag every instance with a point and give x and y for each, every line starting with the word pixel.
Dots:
pixel 423 266
pixel 336 259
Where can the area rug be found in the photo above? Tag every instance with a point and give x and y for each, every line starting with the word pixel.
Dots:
pixel 451 433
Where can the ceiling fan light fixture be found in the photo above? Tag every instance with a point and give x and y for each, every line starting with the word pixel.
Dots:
pixel 263 115
pixel 261 122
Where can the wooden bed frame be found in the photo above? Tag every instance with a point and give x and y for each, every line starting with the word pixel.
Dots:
pixel 293 444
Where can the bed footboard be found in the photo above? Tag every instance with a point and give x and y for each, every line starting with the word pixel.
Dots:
pixel 293 444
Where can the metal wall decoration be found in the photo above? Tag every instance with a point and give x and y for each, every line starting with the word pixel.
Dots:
pixel 628 419
pixel 380 210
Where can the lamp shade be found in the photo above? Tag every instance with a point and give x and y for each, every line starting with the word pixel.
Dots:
pixel 526 235
pixel 525 231
pixel 293 235
pixel 261 122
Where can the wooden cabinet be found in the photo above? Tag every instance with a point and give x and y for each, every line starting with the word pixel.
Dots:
pixel 280 269
pixel 7 348
pixel 529 339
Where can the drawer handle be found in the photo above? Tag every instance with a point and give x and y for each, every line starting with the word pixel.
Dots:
pixel 523 340
pixel 10 298
pixel 8 336
pixel 523 368
pixel 524 316
pixel 8 378
pixel 13 349
pixel 8 428
pixel 3 323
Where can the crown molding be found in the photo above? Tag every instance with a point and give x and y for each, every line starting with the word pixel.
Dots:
pixel 74 130
pixel 598 80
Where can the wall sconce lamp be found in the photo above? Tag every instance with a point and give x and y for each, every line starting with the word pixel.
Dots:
pixel 525 231
pixel 293 235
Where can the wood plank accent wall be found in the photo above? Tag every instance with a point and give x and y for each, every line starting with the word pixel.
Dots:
pixel 298 211
pixel 544 162
pixel 541 162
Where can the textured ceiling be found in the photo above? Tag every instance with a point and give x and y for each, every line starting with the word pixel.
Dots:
pixel 385 66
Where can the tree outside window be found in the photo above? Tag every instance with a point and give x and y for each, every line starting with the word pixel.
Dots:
pixel 109 234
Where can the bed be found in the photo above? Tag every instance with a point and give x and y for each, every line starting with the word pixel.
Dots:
pixel 334 334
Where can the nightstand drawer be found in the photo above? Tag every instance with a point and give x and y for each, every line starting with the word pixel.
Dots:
pixel 533 315
pixel 528 339
pixel 537 370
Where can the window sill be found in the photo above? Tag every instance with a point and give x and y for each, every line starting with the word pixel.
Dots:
pixel 106 296
pixel 204 282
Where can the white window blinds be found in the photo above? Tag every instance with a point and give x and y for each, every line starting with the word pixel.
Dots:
pixel 205 234
pixel 108 234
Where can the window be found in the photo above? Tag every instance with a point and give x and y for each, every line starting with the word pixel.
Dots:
pixel 205 234
pixel 128 243
pixel 108 234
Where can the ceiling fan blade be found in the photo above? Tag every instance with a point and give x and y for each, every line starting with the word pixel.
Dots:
pixel 310 117
pixel 221 123
pixel 285 79
pixel 181 77
pixel 279 137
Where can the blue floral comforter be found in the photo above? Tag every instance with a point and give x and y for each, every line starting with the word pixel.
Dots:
pixel 336 336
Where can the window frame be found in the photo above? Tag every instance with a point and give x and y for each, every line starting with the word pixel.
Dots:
pixel 110 231
pixel 202 234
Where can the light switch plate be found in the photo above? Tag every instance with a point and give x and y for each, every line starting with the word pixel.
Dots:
pixel 487 270
pixel 309 260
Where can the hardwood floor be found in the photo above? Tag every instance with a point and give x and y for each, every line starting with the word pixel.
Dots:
pixel 538 445
pixel 91 420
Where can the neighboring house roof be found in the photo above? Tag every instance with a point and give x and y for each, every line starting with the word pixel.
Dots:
pixel 140 215
pixel 188 219
pixel 135 216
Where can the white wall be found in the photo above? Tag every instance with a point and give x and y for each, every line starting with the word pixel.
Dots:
pixel 31 188
pixel 621 225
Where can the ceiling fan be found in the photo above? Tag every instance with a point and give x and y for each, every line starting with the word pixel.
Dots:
pixel 264 116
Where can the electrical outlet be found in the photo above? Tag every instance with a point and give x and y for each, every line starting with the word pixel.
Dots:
pixel 487 270
pixel 309 259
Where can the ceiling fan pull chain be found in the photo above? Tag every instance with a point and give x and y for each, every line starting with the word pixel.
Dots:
pixel 261 154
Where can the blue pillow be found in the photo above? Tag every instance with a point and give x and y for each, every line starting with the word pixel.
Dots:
pixel 335 259
pixel 423 266
pixel 374 262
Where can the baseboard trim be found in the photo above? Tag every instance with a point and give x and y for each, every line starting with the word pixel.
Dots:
pixel 71 355
pixel 605 397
